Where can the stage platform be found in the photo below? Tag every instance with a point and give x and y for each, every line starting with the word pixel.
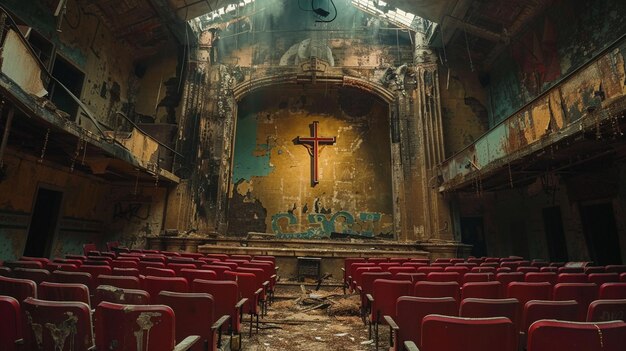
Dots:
pixel 331 252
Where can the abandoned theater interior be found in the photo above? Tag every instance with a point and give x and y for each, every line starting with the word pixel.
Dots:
pixel 434 175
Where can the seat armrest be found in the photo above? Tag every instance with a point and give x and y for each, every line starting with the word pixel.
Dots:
pixel 218 324
pixel 266 283
pixel 187 343
pixel 410 346
pixel 258 292
pixel 241 303
pixel 343 270
pixel 273 276
pixel 276 268
pixel 392 324
pixel 360 289
pixel 370 298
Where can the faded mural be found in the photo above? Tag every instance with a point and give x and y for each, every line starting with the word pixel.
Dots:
pixel 272 188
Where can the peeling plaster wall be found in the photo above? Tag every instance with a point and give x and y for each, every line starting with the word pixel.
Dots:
pixel 157 85
pixel 272 189
pixel 560 41
pixel 464 108
pixel 82 219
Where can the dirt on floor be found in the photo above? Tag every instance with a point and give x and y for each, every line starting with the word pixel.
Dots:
pixel 305 319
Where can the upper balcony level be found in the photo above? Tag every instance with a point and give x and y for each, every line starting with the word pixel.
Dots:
pixel 577 124
pixel 49 121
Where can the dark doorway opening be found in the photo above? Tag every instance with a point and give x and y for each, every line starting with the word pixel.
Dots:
pixel 601 233
pixel 43 222
pixel 555 236
pixel 472 233
pixel 72 79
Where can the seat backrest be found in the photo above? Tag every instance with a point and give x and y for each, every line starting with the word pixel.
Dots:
pixel 191 254
pixel 219 270
pixel 58 266
pixel 411 277
pixel 118 295
pixel 247 286
pixel 485 290
pixel 360 269
pixel 124 282
pixel 34 274
pixel 508 277
pixel 64 292
pixel 221 257
pixel 95 271
pixel 194 315
pixel 583 293
pixel 485 308
pixel 178 266
pixel 127 272
pixel 437 289
pixel 446 333
pixel 135 327
pixel 401 269
pixel 192 274
pixel 615 268
pixel 386 292
pixel 74 277
pixel 410 311
pixel 273 259
pixel 11 318
pixel 607 310
pixel 594 269
pixel 386 265
pixel 571 278
pixel 535 310
pixel 612 291
pixel 226 293
pixel 24 264
pixel 429 269
pixel 537 277
pixel 601 278
pixel 56 325
pixel 368 278
pixel 478 277
pixel 124 264
pixel 444 277
pixel 527 269
pixel 154 285
pixel 19 289
pixel 548 335
pixel 549 269
pixel 525 292
pixel 142 265
pixel 482 269
pixel 159 272
pixel 571 270
pixel 90 247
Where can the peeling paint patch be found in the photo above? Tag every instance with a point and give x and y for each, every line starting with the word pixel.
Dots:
pixel 250 159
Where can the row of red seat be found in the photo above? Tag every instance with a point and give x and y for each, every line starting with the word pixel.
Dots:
pixel 390 302
pixel 193 281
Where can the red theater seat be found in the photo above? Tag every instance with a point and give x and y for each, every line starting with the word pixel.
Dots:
pixel 410 311
pixel 444 277
pixel 193 274
pixel 75 278
pixel 125 264
pixel 613 268
pixel 411 277
pixel 127 326
pixel 64 292
pixel 55 319
pixel 159 272
pixel 95 271
pixel 24 264
pixel 195 315
pixel 549 335
pixel 437 289
pixel 508 277
pixel 128 272
pixel 36 275
pixel 178 266
pixel 595 269
pixel 124 282
pixel 483 270
pixel 11 318
pixel 612 291
pixel 444 333
pixel 525 292
pixel 250 290
pixel 583 293
pixel 484 290
pixel 607 310
pixel 601 278
pixel 227 295
pixel 382 301
pixel 118 295
pixel 458 269
pixel 478 277
pixel 537 277
pixel 571 278
pixel 219 270
pixel 485 308
pixel 535 310
pixel 19 289
pixel 154 285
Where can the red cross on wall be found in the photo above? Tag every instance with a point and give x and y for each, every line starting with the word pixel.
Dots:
pixel 312 144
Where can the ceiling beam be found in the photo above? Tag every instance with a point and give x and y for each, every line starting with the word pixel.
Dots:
pixel 473 29
pixel 448 29
pixel 530 11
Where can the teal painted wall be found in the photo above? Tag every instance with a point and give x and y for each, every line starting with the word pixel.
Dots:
pixel 251 159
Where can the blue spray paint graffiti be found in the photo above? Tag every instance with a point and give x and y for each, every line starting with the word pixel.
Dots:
pixel 322 225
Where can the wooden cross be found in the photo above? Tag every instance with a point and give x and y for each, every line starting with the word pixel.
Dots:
pixel 312 144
